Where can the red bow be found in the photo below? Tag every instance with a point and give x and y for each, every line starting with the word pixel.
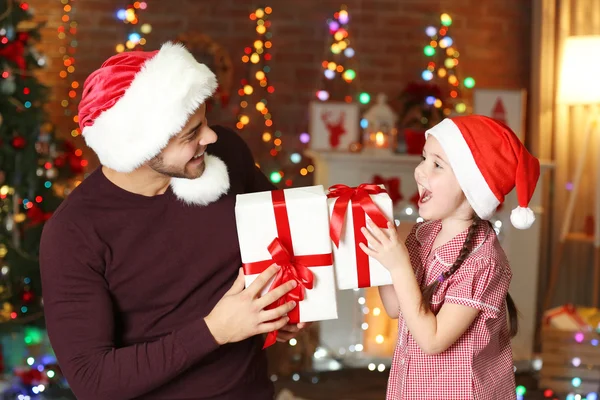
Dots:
pixel 14 51
pixel 360 197
pixel 392 185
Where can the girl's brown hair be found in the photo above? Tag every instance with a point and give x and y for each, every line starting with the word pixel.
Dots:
pixel 462 255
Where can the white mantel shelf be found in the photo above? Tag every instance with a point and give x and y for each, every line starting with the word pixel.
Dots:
pixel 521 247
pixel 374 157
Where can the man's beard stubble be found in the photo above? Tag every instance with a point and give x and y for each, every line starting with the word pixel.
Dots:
pixel 158 165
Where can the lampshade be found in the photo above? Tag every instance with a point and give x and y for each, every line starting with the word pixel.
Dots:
pixel 579 84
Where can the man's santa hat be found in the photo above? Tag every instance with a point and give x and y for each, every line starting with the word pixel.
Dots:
pixel 137 101
pixel 489 160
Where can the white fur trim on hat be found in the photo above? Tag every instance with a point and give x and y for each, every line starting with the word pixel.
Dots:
pixel 212 184
pixel 163 95
pixel 522 217
pixel 473 184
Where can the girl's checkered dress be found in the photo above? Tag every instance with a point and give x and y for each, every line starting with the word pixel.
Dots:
pixel 479 365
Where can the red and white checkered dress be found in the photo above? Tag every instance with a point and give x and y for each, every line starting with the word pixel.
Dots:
pixel 479 365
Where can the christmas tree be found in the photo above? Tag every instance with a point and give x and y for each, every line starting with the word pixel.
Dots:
pixel 254 114
pixel 31 163
pixel 441 93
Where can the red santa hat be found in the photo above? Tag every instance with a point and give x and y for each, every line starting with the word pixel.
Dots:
pixel 489 160
pixel 136 101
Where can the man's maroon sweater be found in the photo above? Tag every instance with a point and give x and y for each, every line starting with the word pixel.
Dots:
pixel 127 280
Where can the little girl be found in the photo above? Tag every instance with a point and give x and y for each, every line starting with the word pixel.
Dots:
pixel 451 278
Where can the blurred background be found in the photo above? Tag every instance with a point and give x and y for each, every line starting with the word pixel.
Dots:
pixel 328 92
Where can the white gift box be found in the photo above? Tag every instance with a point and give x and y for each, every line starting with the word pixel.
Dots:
pixel 566 318
pixel 309 229
pixel 345 256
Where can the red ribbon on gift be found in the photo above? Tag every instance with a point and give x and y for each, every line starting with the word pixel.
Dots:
pixel 292 267
pixel 568 309
pixel 362 205
pixel 392 186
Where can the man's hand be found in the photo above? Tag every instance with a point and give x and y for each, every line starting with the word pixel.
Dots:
pixel 241 312
pixel 291 331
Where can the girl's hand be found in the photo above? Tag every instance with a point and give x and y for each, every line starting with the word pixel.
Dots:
pixel 386 247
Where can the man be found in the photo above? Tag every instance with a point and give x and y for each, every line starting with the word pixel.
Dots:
pixel 143 292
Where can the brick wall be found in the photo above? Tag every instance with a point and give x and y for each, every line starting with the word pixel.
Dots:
pixel 492 36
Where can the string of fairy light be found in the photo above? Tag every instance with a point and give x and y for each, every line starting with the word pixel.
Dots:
pixel 135 36
pixel 256 54
pixel 340 49
pixel 258 57
pixel 441 45
pixel 67 32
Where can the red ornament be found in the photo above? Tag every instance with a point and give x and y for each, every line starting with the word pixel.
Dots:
pixel 27 297
pixel 36 216
pixel 75 164
pixel 15 52
pixel 23 36
pixel 19 142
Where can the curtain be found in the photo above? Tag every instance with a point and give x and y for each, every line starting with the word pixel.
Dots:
pixel 557 133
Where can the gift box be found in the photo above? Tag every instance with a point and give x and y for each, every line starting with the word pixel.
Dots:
pixel 566 318
pixel 350 209
pixel 290 228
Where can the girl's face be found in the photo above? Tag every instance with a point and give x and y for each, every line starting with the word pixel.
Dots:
pixel 440 195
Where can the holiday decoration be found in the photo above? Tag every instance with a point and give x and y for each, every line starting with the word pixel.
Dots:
pixel 32 370
pixel 442 68
pixel 259 55
pixel 570 352
pixel 135 35
pixel 294 235
pixel 339 79
pixel 350 208
pixel 379 125
pixel 506 106
pixel 254 114
pixel 29 154
pixel 18 142
pixel 333 125
pixel 440 93
pixel 67 32
pixel 566 318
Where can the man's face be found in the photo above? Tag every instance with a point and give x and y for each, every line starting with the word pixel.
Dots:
pixel 184 155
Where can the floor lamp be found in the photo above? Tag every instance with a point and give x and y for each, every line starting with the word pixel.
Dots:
pixel 580 86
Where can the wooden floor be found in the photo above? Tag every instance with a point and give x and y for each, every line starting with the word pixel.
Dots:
pixel 361 384
pixel 348 384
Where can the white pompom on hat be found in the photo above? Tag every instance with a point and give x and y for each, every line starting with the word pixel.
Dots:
pixel 489 160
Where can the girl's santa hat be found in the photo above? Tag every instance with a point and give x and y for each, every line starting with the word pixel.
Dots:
pixel 489 160
pixel 137 101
